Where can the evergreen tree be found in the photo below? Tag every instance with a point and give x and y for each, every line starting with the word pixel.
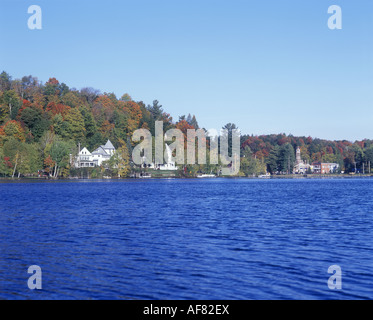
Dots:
pixel 5 81
pixel 286 159
pixel 189 119
pixel 273 159
pixel 156 110
pixel 194 122
pixel 89 122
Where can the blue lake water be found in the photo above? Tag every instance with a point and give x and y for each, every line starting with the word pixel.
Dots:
pixel 187 239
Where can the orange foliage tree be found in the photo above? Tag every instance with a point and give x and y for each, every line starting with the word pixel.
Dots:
pixel 134 113
pixel 58 108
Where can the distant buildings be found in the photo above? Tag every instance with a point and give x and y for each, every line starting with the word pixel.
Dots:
pixel 300 166
pixel 325 168
pixel 168 166
pixel 316 167
pixel 86 159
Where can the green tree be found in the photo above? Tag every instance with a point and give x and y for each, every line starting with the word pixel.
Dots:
pixel 60 127
pixel 5 81
pixel 60 154
pixel 3 169
pixel 22 156
pixel 30 116
pixel 194 122
pixel 12 101
pixel 126 97
pixel 286 158
pixel 229 127
pixel 71 99
pixel 252 167
pixel 273 159
pixel 156 110
pixel 369 156
pixel 119 162
pixel 51 87
pixel 89 122
pixel 35 120
pixel 35 161
pixel 73 126
pixel 95 141
pixel 120 122
pixel 13 129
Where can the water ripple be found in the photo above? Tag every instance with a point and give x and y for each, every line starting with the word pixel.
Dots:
pixel 187 239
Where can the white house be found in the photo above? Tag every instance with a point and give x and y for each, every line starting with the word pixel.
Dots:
pixel 86 159
pixel 169 165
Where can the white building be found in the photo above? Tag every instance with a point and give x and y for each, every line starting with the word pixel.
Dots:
pixel 300 166
pixel 170 165
pixel 86 159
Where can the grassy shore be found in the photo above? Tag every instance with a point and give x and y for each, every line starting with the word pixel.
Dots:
pixel 177 175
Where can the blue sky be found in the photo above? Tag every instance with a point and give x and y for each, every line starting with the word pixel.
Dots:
pixel 267 66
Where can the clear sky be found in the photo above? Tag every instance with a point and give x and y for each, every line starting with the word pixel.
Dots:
pixel 269 66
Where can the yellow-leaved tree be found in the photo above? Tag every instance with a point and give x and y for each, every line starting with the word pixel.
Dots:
pixel 120 160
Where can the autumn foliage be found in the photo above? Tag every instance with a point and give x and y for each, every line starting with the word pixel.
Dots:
pixel 57 108
pixel 43 123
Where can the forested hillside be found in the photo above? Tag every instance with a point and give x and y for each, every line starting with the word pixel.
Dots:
pixel 42 124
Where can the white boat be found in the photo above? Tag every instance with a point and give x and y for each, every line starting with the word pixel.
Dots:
pixel 264 176
pixel 145 176
pixel 206 176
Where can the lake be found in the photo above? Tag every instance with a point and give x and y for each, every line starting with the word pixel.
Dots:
pixel 187 239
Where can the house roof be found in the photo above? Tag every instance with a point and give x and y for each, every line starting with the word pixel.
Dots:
pixel 85 151
pixel 109 145
pixel 100 150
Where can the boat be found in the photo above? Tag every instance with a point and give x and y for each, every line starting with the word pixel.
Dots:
pixel 264 176
pixel 206 176
pixel 145 176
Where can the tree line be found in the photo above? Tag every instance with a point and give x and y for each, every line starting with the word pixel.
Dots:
pixel 41 125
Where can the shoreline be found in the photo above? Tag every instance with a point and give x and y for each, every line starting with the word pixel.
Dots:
pixel 276 177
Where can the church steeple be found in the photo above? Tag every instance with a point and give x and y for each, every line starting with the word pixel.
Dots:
pixel 298 156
